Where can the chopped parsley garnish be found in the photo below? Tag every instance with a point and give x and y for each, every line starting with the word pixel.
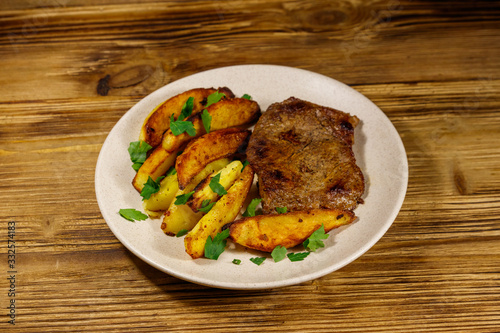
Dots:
pixel 187 109
pixel 250 211
pixel 206 205
pixel 150 187
pixel 245 163
pixel 180 126
pixel 281 210
pixel 297 256
pixel 181 232
pixel 279 253
pixel 138 151
pixel 258 260
pixel 171 171
pixel 246 96
pixel 206 119
pixel 216 186
pixel 236 261
pixel 214 247
pixel 314 241
pixel 183 198
pixel 132 214
pixel 214 98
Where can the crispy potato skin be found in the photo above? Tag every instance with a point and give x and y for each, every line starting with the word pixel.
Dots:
pixel 233 112
pixel 158 120
pixel 265 232
pixel 156 165
pixel 224 211
pixel 161 159
pixel 225 113
pixel 209 147
pixel 228 175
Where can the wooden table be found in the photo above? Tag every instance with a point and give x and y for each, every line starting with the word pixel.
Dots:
pixel 71 68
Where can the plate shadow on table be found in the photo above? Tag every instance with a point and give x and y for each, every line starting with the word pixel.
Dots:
pixel 195 297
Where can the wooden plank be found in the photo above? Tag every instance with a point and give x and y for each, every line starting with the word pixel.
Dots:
pixel 72 68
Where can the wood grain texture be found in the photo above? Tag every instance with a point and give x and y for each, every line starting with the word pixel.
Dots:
pixel 72 68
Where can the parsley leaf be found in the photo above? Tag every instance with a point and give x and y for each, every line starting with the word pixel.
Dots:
pixel 244 165
pixel 236 261
pixel 216 186
pixel 314 241
pixel 214 247
pixel 246 96
pixel 187 109
pixel 206 205
pixel 214 98
pixel 206 118
pixel 297 256
pixel 183 198
pixel 181 232
pixel 180 126
pixel 138 151
pixel 132 214
pixel 258 260
pixel 279 253
pixel 150 187
pixel 281 210
pixel 171 171
pixel 250 211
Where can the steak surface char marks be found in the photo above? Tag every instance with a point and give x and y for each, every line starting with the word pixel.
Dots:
pixel 302 153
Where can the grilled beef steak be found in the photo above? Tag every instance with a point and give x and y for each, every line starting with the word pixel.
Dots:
pixel 302 153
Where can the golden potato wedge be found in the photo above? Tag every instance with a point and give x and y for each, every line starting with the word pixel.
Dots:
pixel 207 148
pixel 233 112
pixel 179 217
pixel 160 201
pixel 226 113
pixel 158 121
pixel 207 170
pixel 156 165
pixel 228 175
pixel 225 210
pixel 161 159
pixel 265 232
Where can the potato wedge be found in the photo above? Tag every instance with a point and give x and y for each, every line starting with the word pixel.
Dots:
pixel 228 175
pixel 161 200
pixel 207 148
pixel 179 217
pixel 225 210
pixel 156 165
pixel 161 159
pixel 265 232
pixel 226 113
pixel 158 121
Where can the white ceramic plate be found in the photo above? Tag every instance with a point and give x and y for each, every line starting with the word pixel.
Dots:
pixel 378 149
